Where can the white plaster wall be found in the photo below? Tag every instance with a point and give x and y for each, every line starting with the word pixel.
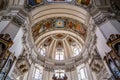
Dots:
pixel 3 24
pixel 11 29
pixel 17 47
pixel 101 43
pixel 110 27
pixel 116 24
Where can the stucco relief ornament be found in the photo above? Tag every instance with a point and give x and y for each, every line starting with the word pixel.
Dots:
pixel 83 2
pixel 87 4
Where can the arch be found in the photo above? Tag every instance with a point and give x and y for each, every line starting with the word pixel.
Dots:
pixel 59 10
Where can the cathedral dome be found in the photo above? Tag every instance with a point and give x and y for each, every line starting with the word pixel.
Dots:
pixel 59 40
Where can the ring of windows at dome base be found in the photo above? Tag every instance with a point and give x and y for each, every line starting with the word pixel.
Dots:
pixel 59 46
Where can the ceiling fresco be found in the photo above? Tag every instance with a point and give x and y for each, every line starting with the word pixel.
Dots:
pixel 59 0
pixel 34 2
pixel 83 2
pixel 30 4
pixel 58 24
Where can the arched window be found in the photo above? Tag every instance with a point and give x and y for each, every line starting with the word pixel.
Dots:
pixel 59 73
pixel 82 72
pixel 59 55
pixel 76 49
pixel 37 75
pixel 42 50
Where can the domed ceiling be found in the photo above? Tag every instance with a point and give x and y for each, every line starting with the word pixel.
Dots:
pixel 59 38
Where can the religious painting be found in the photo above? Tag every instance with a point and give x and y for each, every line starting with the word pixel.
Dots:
pixel 4 59
pixel 112 66
pixel 83 2
pixel 7 67
pixel 35 30
pixel 59 0
pixel 59 23
pixel 71 24
pixel 34 2
pixel 117 62
pixel 5 44
pixel 80 29
pixel 114 69
pixel 42 28
pixel 47 24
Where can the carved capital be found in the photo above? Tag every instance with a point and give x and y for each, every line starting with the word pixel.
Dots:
pixel 96 64
pixel 18 21
pixel 23 64
pixel 6 18
pixel 99 18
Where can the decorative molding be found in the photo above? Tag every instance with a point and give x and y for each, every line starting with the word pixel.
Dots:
pixel 113 39
pixel 99 18
pixel 17 21
pixel 6 18
pixel 23 64
pixel 96 64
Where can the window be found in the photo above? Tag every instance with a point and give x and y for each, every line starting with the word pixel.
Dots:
pixel 59 55
pixel 59 73
pixel 37 74
pixel 76 50
pixel 42 51
pixel 82 73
